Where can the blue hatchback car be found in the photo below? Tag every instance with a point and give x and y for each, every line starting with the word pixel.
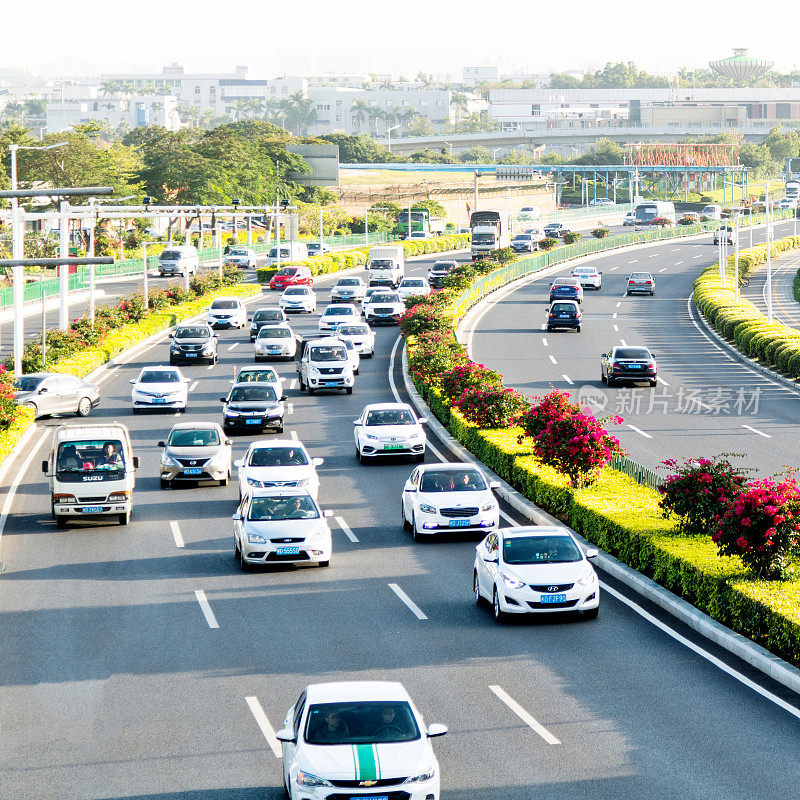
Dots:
pixel 566 289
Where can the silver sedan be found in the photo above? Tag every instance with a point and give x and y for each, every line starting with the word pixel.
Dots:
pixel 54 393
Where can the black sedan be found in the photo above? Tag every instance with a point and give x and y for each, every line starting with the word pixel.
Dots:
pixel 628 364
pixel 253 406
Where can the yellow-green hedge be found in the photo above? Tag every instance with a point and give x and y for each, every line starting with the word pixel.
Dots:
pixel 738 320
pixel 11 435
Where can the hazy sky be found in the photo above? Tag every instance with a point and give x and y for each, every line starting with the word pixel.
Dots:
pixel 399 37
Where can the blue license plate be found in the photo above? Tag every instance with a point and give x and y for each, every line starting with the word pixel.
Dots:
pixel 92 510
pixel 193 471
pixel 159 400
pixel 371 797
pixel 553 598
pixel 273 350
pixel 634 366
pixel 253 422
pixel 330 383
pixel 288 551
pixel 460 523
pixel 190 355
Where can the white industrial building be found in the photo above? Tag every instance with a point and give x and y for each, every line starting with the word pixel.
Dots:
pixel 131 110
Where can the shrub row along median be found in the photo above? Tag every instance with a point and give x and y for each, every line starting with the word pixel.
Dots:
pixel 610 509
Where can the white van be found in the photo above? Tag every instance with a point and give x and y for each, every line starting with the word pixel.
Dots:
pixel 712 211
pixel 291 252
pixel 178 260
pixel 91 471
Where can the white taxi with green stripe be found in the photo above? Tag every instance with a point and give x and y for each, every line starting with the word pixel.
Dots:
pixel 363 740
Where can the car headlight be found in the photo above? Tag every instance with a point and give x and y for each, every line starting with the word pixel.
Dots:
pixel 426 509
pixel 369 436
pixel 425 775
pixel 303 482
pixel 229 412
pixel 490 506
pixel 313 371
pixel 415 436
pixel 208 347
pixel 166 461
pixel 307 779
pixel 256 538
pixel 174 346
pixel 253 482
pixel 217 460
pixel 512 582
pixel 588 578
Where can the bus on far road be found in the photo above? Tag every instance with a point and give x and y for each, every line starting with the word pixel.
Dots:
pixel 654 209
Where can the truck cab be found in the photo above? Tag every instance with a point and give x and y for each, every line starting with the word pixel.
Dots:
pixel 324 363
pixel 91 473
pixel 386 266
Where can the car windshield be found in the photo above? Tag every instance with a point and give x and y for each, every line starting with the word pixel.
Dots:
pixel 238 253
pixel 585 271
pixel 296 290
pixel 170 255
pixel 272 509
pixel 321 353
pixel 523 237
pixel 352 330
pixel 349 282
pixel 452 480
pixel 274 252
pixel 193 333
pixel 415 282
pixel 562 308
pixel 27 384
pixel 284 273
pixel 390 416
pixel 197 437
pixel 361 722
pixel 252 394
pixel 631 352
pixel 443 266
pixel 384 298
pixel 91 459
pixel 338 311
pixel 264 314
pixel 640 276
pixel 226 304
pixel 257 376
pixel 159 376
pixel 274 333
pixel 540 550
pixel 483 238
pixel 277 457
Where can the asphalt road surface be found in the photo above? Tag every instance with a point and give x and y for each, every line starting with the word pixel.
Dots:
pixel 116 685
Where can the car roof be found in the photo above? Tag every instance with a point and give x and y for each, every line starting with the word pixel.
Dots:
pixel 276 443
pixel 183 426
pixel 343 305
pixel 160 367
pixel 534 530
pixel 386 406
pixel 355 690
pixel 450 465
pixel 279 491
pixel 70 432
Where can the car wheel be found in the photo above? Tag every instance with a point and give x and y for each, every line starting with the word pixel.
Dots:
pixel 420 457
pixel 362 459
pixel 245 567
pixel 578 329
pixel 348 390
pixel 549 328
pixel 61 521
pixel 418 537
pixel 224 481
pixel 32 407
pixel 652 294
pixel 602 377
pixel 135 410
pixel 627 294
pixel 476 589
pixel 591 613
pixel 499 615
pixel 84 407
pixel 125 518
pixel 310 391
pixel 403 519
pixel 654 383
pixel 355 372
pixel 182 410
pixel 324 563
pixel 609 380
pixel 164 483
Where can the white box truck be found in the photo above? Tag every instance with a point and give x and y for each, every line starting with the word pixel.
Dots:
pixel 386 266
pixel 489 230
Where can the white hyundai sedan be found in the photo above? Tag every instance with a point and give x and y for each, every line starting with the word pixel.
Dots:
pixel 362 337
pixel 159 387
pixel 413 287
pixel 535 570
pixel 278 463
pixel 449 497
pixel 281 526
pixel 298 298
pixel 358 739
pixel 389 429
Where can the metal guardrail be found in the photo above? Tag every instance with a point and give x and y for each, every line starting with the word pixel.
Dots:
pixel 641 474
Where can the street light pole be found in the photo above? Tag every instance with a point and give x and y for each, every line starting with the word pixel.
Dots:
pixel 17 241
pixel 769 256
pixel 736 255
pixel 145 283
pixel 63 270
pixel 366 228
pixel 389 137
pixel 92 298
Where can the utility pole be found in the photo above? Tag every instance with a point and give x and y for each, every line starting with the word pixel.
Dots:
pixel 145 283
pixel 92 298
pixel 63 270
pixel 17 247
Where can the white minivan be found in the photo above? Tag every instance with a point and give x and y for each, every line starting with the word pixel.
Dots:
pixel 291 252
pixel 91 471
pixel 712 211
pixel 178 260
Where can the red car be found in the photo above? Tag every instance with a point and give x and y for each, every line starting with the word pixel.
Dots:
pixel 291 276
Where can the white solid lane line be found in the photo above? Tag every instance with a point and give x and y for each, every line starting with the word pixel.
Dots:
pixel 678 263
pixel 234 346
pixel 293 434
pixel 700 256
pixel 263 723
pixel 544 342
pixel 209 367
pixel 176 534
pixel 702 653
pixel 346 528
pixel 655 255
pixel 524 715
pixel 675 250
pixel 634 261
pixel 415 609
pixel 640 431
pixel 290 408
pixel 206 608
pixel 623 343
pixel 755 430
pixel 613 268
pixel 568 380
pixel 663 269
pixel 553 360
pixel 661 381
pixel 616 327
pixel 12 490
pixel 193 386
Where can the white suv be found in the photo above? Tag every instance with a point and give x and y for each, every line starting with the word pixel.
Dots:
pixel 324 364
pixel 227 312
pixel 385 307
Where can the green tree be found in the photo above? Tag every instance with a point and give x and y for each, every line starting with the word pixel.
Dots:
pixel 419 126
pixel 475 155
pixel 361 149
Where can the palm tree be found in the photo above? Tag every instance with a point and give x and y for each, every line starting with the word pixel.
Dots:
pixel 359 112
pixel 303 113
pixel 375 115
pixel 238 109
pixel 190 114
pixel 256 107
pixel 109 87
pixel 459 103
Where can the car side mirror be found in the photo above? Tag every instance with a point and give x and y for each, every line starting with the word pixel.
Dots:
pixel 171 336
pixel 357 423
pixel 423 420
pixel 131 381
pixel 222 399
pixel 317 462
pixel 161 444
pixel 136 462
pixel 43 390
pixel 285 735
pixel 227 442
pixel 236 516
pixel 436 729
pixel 592 552
pixel 494 485
pixel 44 466
pixel 283 397
pixel 239 463
pixel 491 558
pixel 327 513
